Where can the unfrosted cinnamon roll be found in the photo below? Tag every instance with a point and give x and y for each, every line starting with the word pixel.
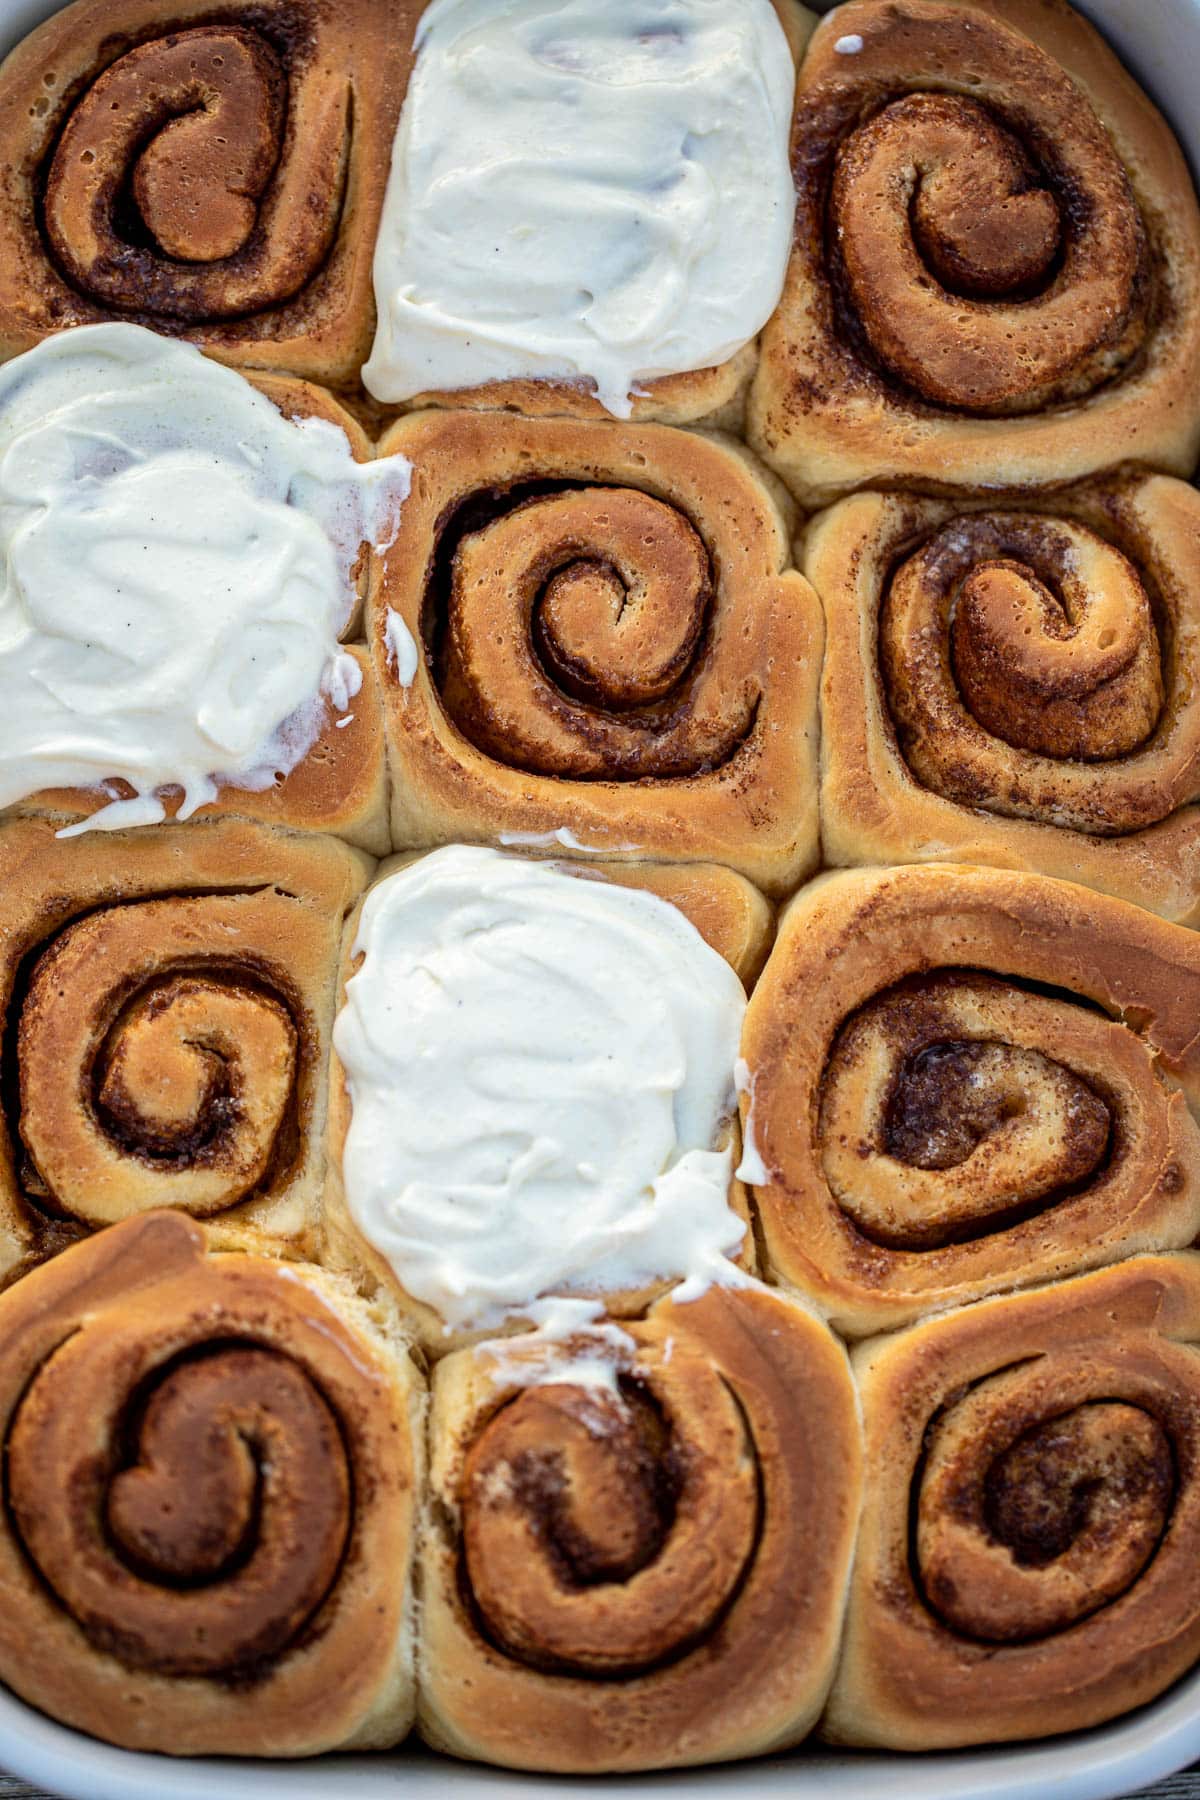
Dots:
pixel 1016 684
pixel 964 1080
pixel 589 637
pixel 1027 1560
pixel 996 264
pixel 212 171
pixel 646 1572
pixel 564 1121
pixel 211 1468
pixel 168 998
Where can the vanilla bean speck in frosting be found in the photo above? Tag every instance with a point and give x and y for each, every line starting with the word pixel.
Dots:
pixel 583 193
pixel 178 563
pixel 540 1067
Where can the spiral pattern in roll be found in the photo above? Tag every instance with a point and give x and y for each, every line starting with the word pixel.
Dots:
pixel 168 1005
pixel 961 1081
pixel 641 1550
pixel 201 111
pixel 203 1458
pixel 994 229
pixel 1027 1550
pixel 608 607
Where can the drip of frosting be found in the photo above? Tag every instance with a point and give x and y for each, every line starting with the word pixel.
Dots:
pixel 177 567
pixel 540 1067
pixel 583 192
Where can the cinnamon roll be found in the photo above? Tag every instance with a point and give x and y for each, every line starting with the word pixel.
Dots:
pixel 1027 1560
pixel 959 1080
pixel 643 1572
pixel 596 628
pixel 562 1127
pixel 211 1464
pixel 167 1000
pixel 212 171
pixel 995 274
pixel 184 555
pixel 1017 684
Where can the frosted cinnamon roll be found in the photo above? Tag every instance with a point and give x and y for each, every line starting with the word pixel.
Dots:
pixel 590 637
pixel 1016 686
pixel 567 190
pixel 168 998
pixel 996 263
pixel 559 1133
pixel 215 172
pixel 211 1466
pixel 640 1564
pixel 957 1081
pixel 1027 1560
pixel 184 555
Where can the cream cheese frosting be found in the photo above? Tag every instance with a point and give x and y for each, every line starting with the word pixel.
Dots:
pixel 177 569
pixel 540 1069
pixel 584 192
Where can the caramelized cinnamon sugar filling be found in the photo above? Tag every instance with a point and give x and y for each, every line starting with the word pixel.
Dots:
pixel 983 249
pixel 179 189
pixel 1027 1519
pixel 150 1064
pixel 602 1535
pixel 944 1115
pixel 572 631
pixel 1013 644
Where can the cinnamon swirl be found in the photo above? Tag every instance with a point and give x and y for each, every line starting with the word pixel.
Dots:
pixel 213 171
pixel 995 275
pixel 596 627
pixel 168 998
pixel 963 1080
pixel 1027 1557
pixel 648 1572
pixel 211 1466
pixel 1017 684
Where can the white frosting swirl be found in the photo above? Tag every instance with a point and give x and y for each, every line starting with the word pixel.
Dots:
pixel 583 191
pixel 540 1068
pixel 177 568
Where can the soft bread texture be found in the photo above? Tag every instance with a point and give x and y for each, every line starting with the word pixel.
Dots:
pixel 1013 297
pixel 279 114
pixel 966 1080
pixel 169 996
pixel 1016 682
pixel 609 637
pixel 1026 1560
pixel 718 1491
pixel 341 785
pixel 731 916
pixel 214 1461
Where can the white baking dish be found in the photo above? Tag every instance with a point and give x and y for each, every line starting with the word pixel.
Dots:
pixel 1160 40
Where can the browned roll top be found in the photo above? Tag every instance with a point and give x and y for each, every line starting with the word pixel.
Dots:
pixel 580 635
pixel 1027 1551
pixel 606 1534
pixel 1023 658
pixel 185 182
pixel 163 1056
pixel 986 250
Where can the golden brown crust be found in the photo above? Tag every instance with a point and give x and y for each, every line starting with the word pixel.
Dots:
pixel 966 1080
pixel 341 784
pixel 699 697
pixel 734 920
pixel 1026 1558
pixel 213 1466
pixel 719 1496
pixel 1013 296
pixel 296 100
pixel 169 997
pixel 1016 684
